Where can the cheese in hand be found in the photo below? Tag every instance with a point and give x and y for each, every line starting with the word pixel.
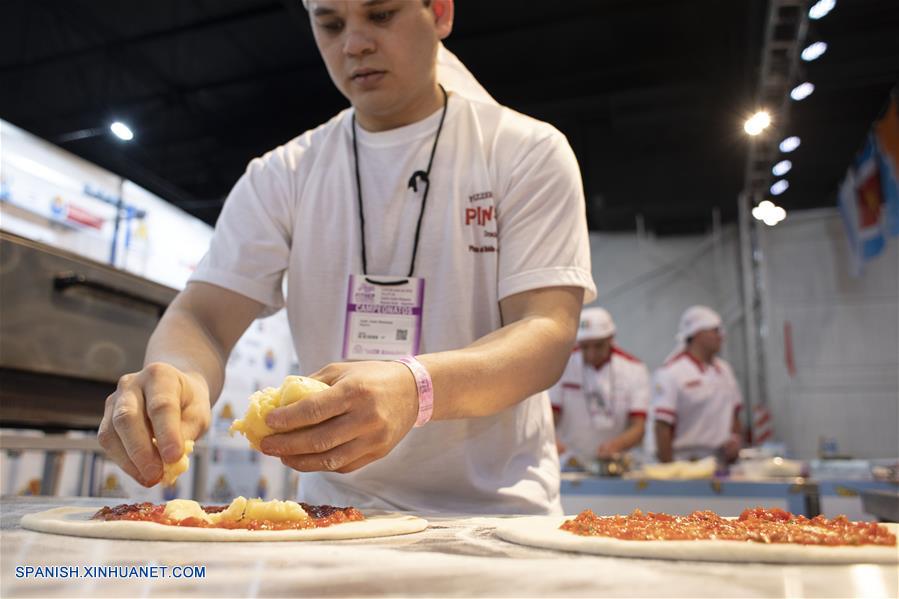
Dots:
pixel 171 472
pixel 294 388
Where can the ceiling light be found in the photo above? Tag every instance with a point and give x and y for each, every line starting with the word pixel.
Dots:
pixel 774 216
pixel 122 131
pixel 757 123
pixel 802 91
pixel 821 8
pixel 789 144
pixel 779 187
pixel 769 213
pixel 813 51
pixel 782 168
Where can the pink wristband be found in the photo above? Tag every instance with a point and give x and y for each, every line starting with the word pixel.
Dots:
pixel 425 389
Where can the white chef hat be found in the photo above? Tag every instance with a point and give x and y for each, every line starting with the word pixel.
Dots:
pixel 596 323
pixel 695 319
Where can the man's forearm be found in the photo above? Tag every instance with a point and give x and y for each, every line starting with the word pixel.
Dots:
pixel 182 341
pixel 737 427
pixel 633 435
pixel 505 366
pixel 664 434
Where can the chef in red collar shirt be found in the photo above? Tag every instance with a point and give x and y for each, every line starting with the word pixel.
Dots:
pixel 601 400
pixel 696 400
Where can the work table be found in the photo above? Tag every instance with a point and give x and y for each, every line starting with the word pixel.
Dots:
pixel 455 556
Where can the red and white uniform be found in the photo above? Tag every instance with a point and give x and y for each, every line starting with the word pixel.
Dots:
pixel 594 405
pixel 699 401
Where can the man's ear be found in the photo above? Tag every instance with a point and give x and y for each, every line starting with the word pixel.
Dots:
pixel 444 11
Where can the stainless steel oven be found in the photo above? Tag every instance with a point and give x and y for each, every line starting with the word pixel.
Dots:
pixel 69 327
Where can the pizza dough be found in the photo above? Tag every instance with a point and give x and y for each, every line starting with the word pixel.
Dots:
pixel 294 388
pixel 76 521
pixel 543 532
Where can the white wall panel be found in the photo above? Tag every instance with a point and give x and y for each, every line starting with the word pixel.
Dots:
pixel 845 338
pixel 845 329
pixel 647 283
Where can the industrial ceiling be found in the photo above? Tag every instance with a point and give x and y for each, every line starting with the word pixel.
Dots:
pixel 652 94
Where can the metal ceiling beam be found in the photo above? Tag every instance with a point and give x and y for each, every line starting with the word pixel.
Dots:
pixel 785 32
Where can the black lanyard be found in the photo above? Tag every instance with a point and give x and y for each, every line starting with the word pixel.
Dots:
pixel 599 401
pixel 424 175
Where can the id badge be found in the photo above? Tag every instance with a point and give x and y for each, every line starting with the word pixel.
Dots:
pixel 383 317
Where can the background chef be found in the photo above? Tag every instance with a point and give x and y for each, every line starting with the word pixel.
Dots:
pixel 696 399
pixel 600 403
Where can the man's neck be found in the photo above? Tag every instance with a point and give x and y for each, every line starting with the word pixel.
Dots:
pixel 701 356
pixel 416 109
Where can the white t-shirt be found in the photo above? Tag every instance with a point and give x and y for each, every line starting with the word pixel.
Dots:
pixel 595 405
pixel 505 214
pixel 699 401
pixel 455 76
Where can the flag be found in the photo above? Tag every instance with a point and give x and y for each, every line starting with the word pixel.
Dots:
pixel 861 206
pixel 886 133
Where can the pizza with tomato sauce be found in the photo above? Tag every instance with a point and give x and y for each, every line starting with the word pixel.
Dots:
pixel 276 515
pixel 757 535
pixel 242 520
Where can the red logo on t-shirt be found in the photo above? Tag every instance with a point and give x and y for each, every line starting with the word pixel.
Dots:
pixel 478 215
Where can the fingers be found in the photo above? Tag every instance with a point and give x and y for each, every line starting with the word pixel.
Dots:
pixel 363 461
pixel 314 440
pixel 357 420
pixel 112 445
pixel 195 417
pixel 315 409
pixel 330 373
pixel 162 396
pixel 133 430
pixel 159 402
pixel 332 460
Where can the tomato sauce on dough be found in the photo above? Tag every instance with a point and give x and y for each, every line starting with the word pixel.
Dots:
pixel 319 517
pixel 757 525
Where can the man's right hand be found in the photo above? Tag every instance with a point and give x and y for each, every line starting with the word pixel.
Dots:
pixel 158 402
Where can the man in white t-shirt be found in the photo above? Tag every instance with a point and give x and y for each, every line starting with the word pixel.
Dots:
pixel 697 400
pixel 600 402
pixel 416 223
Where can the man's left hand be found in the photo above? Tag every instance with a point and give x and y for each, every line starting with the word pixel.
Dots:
pixel 369 408
pixel 607 450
